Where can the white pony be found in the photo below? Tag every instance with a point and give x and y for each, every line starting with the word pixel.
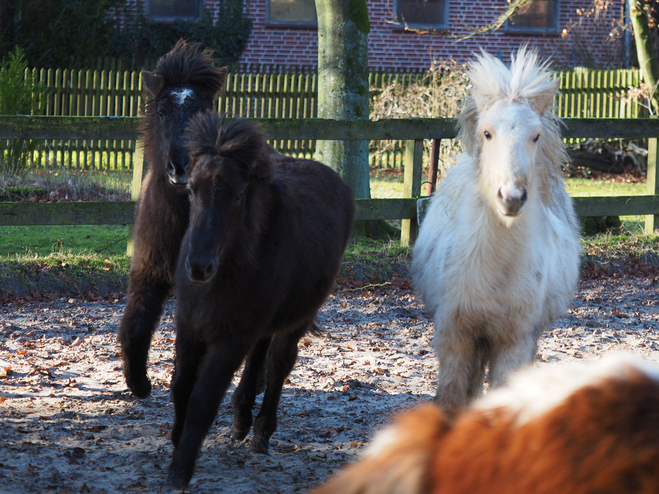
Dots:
pixel 497 258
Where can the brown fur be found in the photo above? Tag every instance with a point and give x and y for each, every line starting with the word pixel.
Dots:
pixel 163 207
pixel 263 248
pixel 604 438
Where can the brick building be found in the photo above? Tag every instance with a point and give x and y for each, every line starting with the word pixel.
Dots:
pixel 284 31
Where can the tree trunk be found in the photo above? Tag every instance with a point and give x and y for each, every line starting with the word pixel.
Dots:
pixel 343 28
pixel 647 59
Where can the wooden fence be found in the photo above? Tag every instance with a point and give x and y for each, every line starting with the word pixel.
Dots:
pixel 408 209
pixel 271 92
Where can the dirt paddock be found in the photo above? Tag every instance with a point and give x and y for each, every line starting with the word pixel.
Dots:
pixel 68 425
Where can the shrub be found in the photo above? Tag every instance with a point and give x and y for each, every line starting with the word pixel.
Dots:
pixel 439 94
pixel 17 93
pixel 69 34
pixel 147 40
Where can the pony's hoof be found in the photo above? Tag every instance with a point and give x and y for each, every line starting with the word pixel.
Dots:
pixel 141 388
pixel 239 434
pixel 259 445
pixel 176 479
pixel 240 426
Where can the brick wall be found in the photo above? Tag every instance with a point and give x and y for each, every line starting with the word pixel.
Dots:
pixel 588 44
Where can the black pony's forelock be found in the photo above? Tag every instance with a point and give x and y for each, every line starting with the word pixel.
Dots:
pixel 244 141
pixel 241 140
pixel 201 133
pixel 188 64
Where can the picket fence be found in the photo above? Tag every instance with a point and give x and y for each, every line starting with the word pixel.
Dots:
pixel 274 92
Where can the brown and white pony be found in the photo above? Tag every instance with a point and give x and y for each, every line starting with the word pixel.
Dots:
pixel 572 428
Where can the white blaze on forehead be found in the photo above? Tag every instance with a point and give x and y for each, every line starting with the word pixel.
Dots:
pixel 182 95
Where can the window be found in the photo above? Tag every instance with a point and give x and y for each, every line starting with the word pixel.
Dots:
pixel 423 13
pixel 540 16
pixel 173 10
pixel 292 12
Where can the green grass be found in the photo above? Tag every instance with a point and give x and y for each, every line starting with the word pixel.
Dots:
pixel 88 274
pixel 614 246
pixel 108 240
pixel 386 186
pixel 585 187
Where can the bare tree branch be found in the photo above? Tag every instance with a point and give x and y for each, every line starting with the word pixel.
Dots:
pixel 513 6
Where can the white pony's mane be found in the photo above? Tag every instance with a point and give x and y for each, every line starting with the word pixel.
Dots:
pixel 527 80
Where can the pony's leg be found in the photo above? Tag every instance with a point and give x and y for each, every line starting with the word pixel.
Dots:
pixel 214 376
pixel 245 394
pixel 460 371
pixel 145 302
pixel 189 355
pixel 280 361
pixel 509 358
pixel 482 356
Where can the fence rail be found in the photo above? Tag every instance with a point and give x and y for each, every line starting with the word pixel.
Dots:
pixel 270 92
pixel 413 131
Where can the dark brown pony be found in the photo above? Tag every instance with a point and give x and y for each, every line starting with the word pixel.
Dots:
pixel 264 246
pixel 183 83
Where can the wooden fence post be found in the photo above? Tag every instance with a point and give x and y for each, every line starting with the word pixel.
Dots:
pixel 652 220
pixel 411 187
pixel 139 171
pixel 433 167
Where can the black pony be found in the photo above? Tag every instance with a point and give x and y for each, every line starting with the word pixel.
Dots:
pixel 184 83
pixel 264 246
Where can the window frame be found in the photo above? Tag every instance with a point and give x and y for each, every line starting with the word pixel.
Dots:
pixel 554 29
pixel 443 26
pixel 298 24
pixel 171 18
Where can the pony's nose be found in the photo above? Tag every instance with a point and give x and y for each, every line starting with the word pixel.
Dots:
pixel 200 272
pixel 174 175
pixel 511 200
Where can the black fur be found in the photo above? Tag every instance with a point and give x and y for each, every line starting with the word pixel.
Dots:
pixel 163 209
pixel 262 251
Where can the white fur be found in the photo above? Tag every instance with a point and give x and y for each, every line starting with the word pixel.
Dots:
pixel 495 282
pixel 534 391
pixel 383 441
pixel 182 95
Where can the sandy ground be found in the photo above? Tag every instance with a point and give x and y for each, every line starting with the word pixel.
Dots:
pixel 68 425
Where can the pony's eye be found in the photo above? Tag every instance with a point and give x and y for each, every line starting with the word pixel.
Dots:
pixel 190 192
pixel 488 136
pixel 535 139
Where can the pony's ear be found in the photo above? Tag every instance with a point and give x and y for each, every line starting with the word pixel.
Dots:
pixel 153 83
pixel 543 101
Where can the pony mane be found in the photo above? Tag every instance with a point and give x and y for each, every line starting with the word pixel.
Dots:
pixel 528 80
pixel 187 64
pixel 239 139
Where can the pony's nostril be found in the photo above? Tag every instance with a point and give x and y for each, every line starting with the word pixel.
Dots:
pixel 523 198
pixel 210 269
pixel 170 168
